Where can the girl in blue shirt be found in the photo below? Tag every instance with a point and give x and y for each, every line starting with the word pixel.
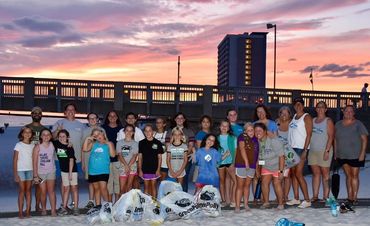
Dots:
pixel 207 159
pixel 99 162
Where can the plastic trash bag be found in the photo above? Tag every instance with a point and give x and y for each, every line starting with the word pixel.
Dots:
pixel 286 222
pixel 179 204
pixel 167 187
pixel 93 216
pixel 291 157
pixel 208 200
pixel 136 206
pixel 105 213
pixel 100 215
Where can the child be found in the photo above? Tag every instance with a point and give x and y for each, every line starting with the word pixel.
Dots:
pixel 44 169
pixel 22 167
pixel 127 153
pixel 226 170
pixel 68 167
pixel 207 158
pixel 99 163
pixel 245 164
pixel 150 158
pixel 160 134
pixel 177 155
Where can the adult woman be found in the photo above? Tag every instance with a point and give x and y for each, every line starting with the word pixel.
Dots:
pixel 271 163
pixel 285 116
pixel 350 149
pixel 299 137
pixel 262 114
pixel 112 125
pixel 180 121
pixel 321 151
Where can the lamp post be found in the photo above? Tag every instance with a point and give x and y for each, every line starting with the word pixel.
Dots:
pixel 269 26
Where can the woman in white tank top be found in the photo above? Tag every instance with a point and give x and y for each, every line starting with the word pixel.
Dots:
pixel 299 137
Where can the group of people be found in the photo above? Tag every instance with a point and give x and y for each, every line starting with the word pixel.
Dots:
pixel 115 157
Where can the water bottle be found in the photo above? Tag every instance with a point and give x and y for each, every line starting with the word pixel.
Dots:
pixel 334 209
pixel 257 193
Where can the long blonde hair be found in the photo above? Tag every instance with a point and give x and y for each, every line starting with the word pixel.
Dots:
pixel 178 129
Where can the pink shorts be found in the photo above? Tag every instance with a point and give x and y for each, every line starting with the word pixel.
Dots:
pixel 127 175
pixel 150 176
pixel 265 171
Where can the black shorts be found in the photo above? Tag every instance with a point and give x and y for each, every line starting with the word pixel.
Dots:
pixel 99 177
pixel 164 170
pixel 351 162
pixel 224 165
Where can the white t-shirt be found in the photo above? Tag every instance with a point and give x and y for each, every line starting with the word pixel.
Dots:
pixel 24 156
pixel 138 136
pixel 162 138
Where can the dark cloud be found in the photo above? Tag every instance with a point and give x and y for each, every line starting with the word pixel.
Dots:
pixel 8 27
pixel 37 24
pixel 48 41
pixel 334 68
pixel 173 52
pixel 338 71
pixel 292 59
pixel 309 68
pixel 346 74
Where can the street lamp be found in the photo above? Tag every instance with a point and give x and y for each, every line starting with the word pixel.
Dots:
pixel 269 26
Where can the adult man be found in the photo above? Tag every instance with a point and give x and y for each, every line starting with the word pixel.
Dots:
pixel 364 96
pixel 75 129
pixel 36 126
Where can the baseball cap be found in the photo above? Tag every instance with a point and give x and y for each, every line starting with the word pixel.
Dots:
pixel 298 99
pixel 36 109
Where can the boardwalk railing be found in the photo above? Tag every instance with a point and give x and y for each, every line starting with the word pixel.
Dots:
pixel 155 98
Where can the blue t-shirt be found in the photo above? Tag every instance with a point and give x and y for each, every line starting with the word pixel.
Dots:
pixel 208 160
pixel 237 129
pixel 200 135
pixel 99 159
pixel 224 147
pixel 271 126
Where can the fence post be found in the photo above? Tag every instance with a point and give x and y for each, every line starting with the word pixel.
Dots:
pixel 207 100
pixel 29 93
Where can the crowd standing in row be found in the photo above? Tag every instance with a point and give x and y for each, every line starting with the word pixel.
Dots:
pixel 113 157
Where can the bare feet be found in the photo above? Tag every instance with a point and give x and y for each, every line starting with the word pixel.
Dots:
pixel 20 215
pixel 246 207
pixel 28 214
pixel 280 207
pixel 53 214
pixel 237 210
pixel 43 213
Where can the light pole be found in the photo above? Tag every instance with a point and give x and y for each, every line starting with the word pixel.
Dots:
pixel 269 26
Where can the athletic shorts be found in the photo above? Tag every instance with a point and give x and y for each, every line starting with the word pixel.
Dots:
pixel 66 181
pixel 316 158
pixel 245 172
pixel 351 162
pixel 47 176
pixel 25 175
pixel 224 165
pixel 99 177
pixel 265 172
pixel 164 170
pixel 149 176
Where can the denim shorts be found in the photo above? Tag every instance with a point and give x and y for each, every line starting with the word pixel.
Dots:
pixel 25 175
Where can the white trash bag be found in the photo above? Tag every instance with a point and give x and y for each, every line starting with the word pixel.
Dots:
pixel 167 187
pixel 179 204
pixel 136 206
pixel 100 215
pixel 208 200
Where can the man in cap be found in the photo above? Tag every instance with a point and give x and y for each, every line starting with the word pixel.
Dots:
pixel 37 127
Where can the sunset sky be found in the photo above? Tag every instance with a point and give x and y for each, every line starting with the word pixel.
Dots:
pixel 133 40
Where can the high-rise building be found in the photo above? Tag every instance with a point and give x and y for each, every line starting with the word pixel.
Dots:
pixel 242 60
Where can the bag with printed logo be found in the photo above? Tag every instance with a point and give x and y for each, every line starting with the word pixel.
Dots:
pixel 208 200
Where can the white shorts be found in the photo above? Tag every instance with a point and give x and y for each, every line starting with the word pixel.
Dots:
pixel 66 181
